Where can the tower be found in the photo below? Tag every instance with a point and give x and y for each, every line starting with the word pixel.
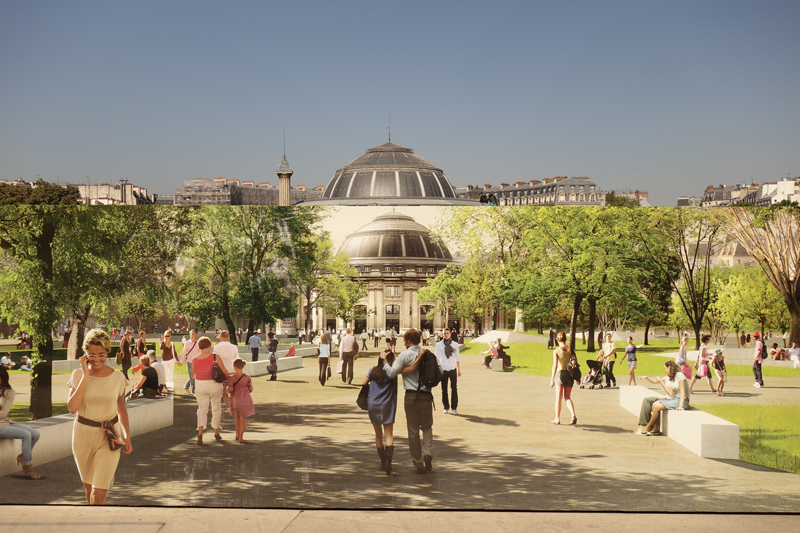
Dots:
pixel 284 183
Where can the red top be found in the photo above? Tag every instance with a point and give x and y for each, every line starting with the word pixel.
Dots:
pixel 202 367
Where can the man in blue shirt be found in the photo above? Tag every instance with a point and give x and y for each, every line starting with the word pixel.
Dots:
pixel 418 402
pixel 255 344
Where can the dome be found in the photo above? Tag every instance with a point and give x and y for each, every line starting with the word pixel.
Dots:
pixel 390 172
pixel 394 236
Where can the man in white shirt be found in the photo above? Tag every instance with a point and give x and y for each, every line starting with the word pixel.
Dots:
pixel 226 351
pixel 158 366
pixel 190 351
pixel 448 357
pixel 794 354
pixel 348 352
pixel 6 361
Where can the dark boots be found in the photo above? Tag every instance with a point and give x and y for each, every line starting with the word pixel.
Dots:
pixel 389 454
pixel 382 455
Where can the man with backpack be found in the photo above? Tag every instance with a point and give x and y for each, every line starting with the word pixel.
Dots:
pixel 420 373
pixel 759 356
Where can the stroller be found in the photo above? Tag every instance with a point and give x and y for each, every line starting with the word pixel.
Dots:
pixel 594 378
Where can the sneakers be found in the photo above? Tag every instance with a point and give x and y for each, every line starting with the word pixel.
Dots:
pixel 445 411
pixel 757 385
pixel 455 412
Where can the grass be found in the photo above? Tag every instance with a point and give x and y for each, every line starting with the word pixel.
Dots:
pixel 21 412
pixel 769 435
pixel 536 358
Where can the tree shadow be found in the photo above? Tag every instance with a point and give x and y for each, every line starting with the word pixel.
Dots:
pixel 489 421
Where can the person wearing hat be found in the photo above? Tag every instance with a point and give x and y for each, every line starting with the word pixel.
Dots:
pixel 718 362
pixel 757 360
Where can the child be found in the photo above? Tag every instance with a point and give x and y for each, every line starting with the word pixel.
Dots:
pixel 719 368
pixel 241 406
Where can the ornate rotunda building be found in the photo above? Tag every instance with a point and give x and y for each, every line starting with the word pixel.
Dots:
pixel 389 174
pixel 395 257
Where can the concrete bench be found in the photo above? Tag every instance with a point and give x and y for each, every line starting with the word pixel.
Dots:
pixel 496 365
pixel 55 443
pixel 702 433
pixel 259 368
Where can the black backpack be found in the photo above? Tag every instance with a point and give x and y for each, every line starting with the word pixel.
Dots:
pixel 429 372
pixel 764 354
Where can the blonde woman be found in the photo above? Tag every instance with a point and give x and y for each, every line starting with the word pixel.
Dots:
pixel 97 396
pixel 561 379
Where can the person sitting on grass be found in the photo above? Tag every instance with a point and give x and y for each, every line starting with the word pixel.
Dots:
pixel 676 386
pixel 25 365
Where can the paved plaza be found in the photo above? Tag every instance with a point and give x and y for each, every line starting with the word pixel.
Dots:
pixel 312 448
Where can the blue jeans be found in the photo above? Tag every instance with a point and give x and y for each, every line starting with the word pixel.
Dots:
pixel 189 381
pixel 29 437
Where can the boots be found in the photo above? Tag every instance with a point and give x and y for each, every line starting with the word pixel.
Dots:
pixel 382 455
pixel 389 455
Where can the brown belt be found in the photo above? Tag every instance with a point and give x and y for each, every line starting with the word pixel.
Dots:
pixel 94 423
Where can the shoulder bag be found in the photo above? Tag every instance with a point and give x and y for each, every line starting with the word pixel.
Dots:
pixel 216 372
pixel 363 397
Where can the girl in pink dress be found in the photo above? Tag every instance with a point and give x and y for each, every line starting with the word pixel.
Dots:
pixel 239 387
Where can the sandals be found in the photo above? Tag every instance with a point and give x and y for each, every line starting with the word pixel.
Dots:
pixel 217 436
pixel 30 472
pixel 574 421
pixel 556 422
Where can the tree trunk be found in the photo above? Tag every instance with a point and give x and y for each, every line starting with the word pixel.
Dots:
pixel 226 316
pixel 576 308
pixel 592 323
pixel 647 331
pixel 78 330
pixel 41 382
pixel 696 328
pixel 541 327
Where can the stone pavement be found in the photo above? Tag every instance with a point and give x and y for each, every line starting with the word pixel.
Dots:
pixel 313 449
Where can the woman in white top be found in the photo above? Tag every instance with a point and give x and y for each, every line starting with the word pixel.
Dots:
pixel 703 357
pixel 681 359
pixel 676 386
pixel 323 358
pixel 97 396
pixel 12 430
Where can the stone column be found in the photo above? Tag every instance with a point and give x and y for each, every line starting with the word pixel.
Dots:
pixel 415 309
pixel 380 310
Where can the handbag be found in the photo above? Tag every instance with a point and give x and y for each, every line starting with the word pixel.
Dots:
pixel 330 372
pixel 703 371
pixel 272 368
pixel 339 366
pixel 119 358
pixel 216 372
pixel 573 367
pixel 363 397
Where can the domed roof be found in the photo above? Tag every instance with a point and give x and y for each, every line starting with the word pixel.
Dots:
pixel 394 235
pixel 391 172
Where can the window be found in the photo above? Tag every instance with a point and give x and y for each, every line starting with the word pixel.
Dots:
pixel 391 291
pixel 392 309
pixel 387 268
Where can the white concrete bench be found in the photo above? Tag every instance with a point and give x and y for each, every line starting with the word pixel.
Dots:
pixel 259 368
pixel 702 433
pixel 55 443
pixel 496 365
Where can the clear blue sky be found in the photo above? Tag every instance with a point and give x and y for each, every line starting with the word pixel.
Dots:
pixel 666 97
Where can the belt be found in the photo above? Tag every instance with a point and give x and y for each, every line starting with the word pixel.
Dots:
pixel 410 391
pixel 96 424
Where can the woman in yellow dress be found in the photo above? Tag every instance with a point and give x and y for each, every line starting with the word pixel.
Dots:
pixel 97 396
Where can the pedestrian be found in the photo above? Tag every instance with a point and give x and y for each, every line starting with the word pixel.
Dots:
pixel 323 358
pixel 630 354
pixel 376 335
pixel 97 397
pixel 718 362
pixel 13 430
pixel 272 348
pixel 364 337
pixel 125 352
pixel 208 390
pixel 418 403
pixel 674 384
pixel 228 353
pixel 561 378
pixel 168 357
pixel 382 402
pixel 239 387
pixel 255 344
pixel 680 360
pixel 348 353
pixel 703 357
pixel 551 339
pixel 190 351
pixel 394 340
pixel 449 361
pixel 742 340
pixel 758 358
pixel 609 356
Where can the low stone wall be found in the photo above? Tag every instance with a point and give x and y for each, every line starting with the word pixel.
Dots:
pixel 259 368
pixel 55 443
pixel 702 433
pixel 733 356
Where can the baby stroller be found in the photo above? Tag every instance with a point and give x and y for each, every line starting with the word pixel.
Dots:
pixel 594 378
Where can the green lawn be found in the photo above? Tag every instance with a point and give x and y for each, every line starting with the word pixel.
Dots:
pixel 769 435
pixel 20 412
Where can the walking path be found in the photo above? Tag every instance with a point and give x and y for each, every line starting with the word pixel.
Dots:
pixel 312 448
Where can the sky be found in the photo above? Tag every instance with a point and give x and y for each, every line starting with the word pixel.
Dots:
pixel 665 97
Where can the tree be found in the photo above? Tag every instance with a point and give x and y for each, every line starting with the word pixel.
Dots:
pixel 141 306
pixel 612 200
pixel 33 232
pixel 343 294
pixel 692 236
pixel 441 290
pixel 772 236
